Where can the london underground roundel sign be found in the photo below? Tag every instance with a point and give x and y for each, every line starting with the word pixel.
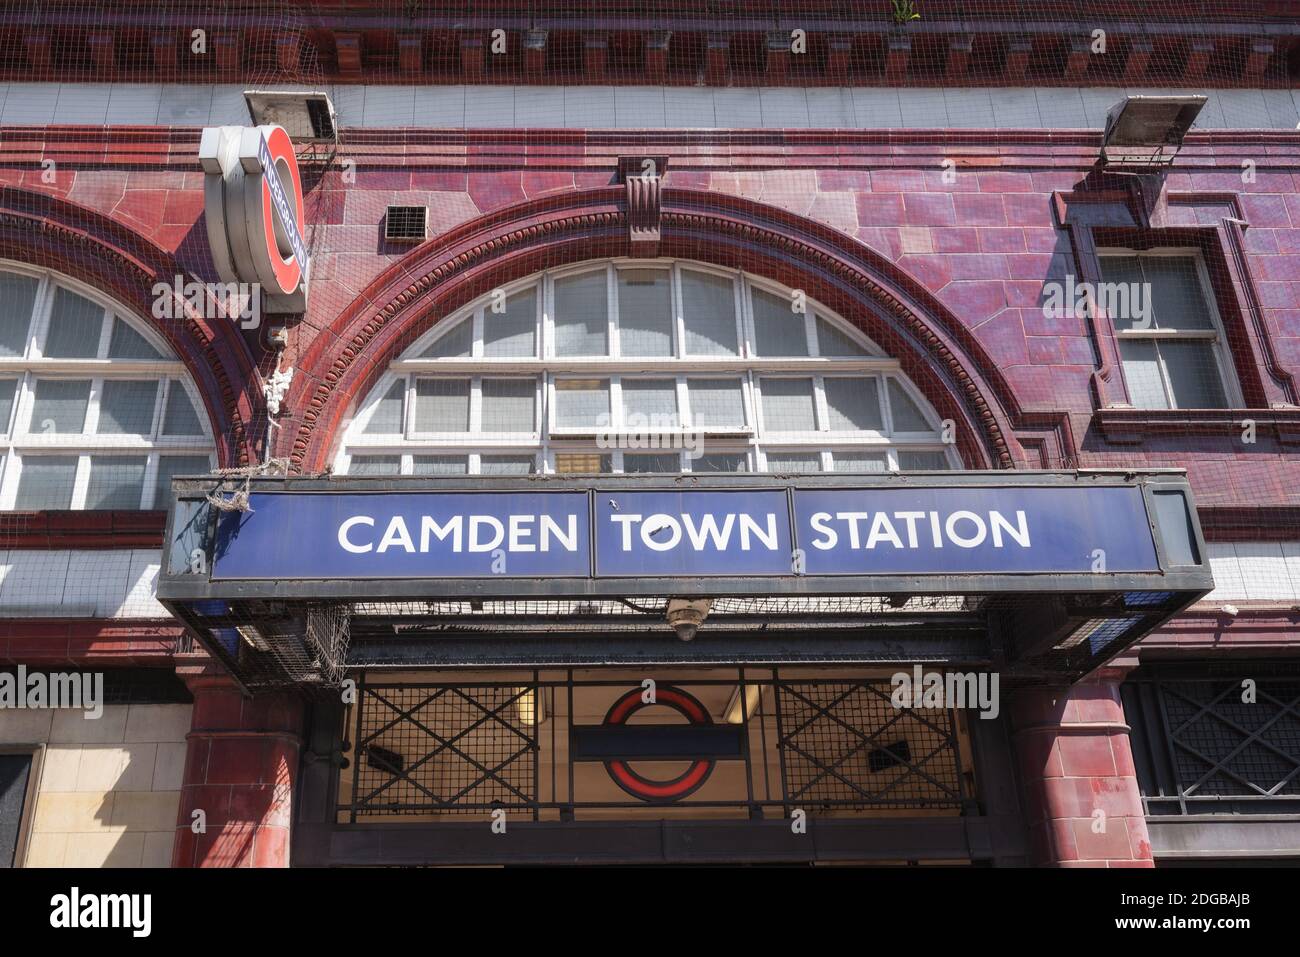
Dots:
pixel 649 789
pixel 254 208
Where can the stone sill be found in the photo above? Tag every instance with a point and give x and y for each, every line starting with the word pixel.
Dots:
pixel 1128 426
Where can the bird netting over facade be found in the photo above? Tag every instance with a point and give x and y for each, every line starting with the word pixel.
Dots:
pixel 861 237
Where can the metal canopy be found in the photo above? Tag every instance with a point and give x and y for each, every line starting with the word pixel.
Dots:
pixel 864 601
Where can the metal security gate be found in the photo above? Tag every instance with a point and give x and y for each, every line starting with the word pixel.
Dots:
pixel 733 744
pixel 1217 738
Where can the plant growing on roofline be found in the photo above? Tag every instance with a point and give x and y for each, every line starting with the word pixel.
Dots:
pixel 904 11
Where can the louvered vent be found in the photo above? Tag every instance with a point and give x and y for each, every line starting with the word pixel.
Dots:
pixel 405 224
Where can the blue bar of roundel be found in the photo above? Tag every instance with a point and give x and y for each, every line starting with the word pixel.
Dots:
pixel 1066 527
pixel 722 548
pixel 296 535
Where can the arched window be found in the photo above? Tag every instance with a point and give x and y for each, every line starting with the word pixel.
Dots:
pixel 642 366
pixel 95 410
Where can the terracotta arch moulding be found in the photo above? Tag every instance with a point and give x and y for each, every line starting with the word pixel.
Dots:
pixel 935 351
pixel 68 238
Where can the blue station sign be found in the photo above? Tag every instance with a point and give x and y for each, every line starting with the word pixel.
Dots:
pixel 765 532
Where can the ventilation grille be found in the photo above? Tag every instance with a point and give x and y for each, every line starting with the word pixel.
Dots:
pixel 405 224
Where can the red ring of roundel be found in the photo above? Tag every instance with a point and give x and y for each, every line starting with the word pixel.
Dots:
pixel 642 787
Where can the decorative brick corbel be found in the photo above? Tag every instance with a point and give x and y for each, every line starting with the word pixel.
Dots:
pixel 595 55
pixel 166 57
pixel 38 51
pixel 410 53
pixel 643 179
pixel 347 47
pixel 716 54
pixel 656 55
pixel 535 53
pixel 227 51
pixel 103 52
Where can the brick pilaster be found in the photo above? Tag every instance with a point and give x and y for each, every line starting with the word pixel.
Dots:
pixel 241 766
pixel 1082 802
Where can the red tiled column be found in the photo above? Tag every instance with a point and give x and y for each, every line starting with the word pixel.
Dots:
pixel 1076 768
pixel 240 770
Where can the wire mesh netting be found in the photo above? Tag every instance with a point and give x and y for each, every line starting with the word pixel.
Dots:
pixel 1224 740
pixel 935 145
pixel 429 750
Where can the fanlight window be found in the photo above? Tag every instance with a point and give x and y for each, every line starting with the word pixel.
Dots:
pixel 95 411
pixel 642 367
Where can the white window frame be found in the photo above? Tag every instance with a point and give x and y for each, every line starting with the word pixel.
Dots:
pixel 550 439
pixel 1216 335
pixel 19 442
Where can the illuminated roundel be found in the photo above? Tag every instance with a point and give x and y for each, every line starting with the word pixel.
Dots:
pixel 642 366
pixel 96 412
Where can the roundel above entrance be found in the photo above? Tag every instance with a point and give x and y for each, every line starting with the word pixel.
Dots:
pixel 653 790
pixel 254 206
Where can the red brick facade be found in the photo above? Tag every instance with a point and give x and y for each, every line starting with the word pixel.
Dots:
pixel 945 272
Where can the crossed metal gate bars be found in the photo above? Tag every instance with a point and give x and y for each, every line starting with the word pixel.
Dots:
pixel 820 745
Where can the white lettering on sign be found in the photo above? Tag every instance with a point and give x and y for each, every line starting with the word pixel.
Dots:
pixel 472 533
pixel 962 528
pixel 661 532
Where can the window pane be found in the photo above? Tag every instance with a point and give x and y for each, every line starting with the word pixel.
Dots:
pixel 645 319
pixel 75 324
pixel 716 403
pixel 453 344
pixel 831 341
pixel 508 405
pixel 650 402
pixel 173 465
pixel 907 417
pixel 1142 373
pixel 127 408
pixel 126 343
pixel 442 405
pixel 17 297
pixel 788 405
pixel 506 465
pixel 721 462
pixel 115 481
pixel 46 482
pixel 581 402
pixel 512 332
pixel 1194 374
pixel 794 462
pixel 1177 293
pixel 636 462
pixel 8 388
pixel 180 417
pixel 569 463
pixel 375 465
pixel 853 404
pixel 387 417
pixel 922 461
pixel 709 312
pixel 778 329
pixel 861 462
pixel 439 465
pixel 1123 271
pixel 60 406
pixel 581 315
